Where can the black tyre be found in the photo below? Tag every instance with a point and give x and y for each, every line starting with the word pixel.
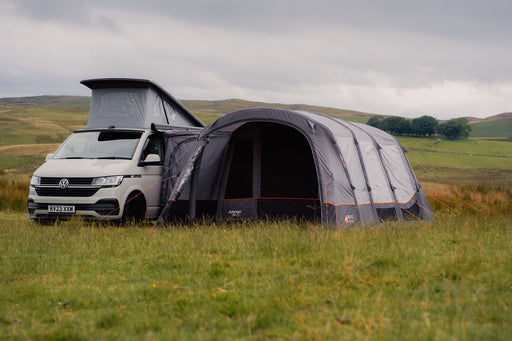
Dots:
pixel 134 208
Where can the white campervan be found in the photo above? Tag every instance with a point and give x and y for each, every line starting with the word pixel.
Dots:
pixel 113 169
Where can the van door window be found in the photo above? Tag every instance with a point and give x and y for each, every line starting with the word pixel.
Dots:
pixel 154 145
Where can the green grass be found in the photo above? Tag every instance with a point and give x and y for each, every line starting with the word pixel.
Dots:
pixel 483 147
pixel 29 125
pixel 448 280
pixel 434 176
pixel 426 158
pixel 53 101
pixel 13 194
pixel 459 154
pixel 501 127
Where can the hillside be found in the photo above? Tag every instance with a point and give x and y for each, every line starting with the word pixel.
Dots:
pixel 497 126
pixel 217 108
pixel 58 101
pixel 206 110
pixel 490 118
pixel 504 115
pixel 500 128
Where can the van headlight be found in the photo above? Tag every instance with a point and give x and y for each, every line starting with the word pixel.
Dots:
pixel 35 181
pixel 107 181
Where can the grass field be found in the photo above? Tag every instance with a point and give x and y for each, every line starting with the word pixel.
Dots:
pixel 462 161
pixel 475 147
pixel 448 279
pixel 501 127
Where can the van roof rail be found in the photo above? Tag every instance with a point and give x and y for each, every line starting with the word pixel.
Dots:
pixel 162 127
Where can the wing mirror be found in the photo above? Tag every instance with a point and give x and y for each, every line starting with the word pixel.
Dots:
pixel 151 160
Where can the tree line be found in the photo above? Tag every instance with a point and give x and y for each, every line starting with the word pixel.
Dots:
pixel 457 128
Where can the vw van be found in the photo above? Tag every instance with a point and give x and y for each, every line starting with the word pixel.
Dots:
pixel 112 169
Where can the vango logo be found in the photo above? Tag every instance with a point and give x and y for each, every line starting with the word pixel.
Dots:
pixel 235 213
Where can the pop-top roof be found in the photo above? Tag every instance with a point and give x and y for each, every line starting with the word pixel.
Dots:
pixel 135 103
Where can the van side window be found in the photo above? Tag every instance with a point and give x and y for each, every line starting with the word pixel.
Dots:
pixel 154 145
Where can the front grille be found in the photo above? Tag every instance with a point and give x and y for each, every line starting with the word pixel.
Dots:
pixel 72 181
pixel 68 192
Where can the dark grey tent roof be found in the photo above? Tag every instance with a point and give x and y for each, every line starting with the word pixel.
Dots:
pixel 359 173
pixel 135 103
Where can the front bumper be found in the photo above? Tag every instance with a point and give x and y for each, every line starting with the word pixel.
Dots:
pixel 107 209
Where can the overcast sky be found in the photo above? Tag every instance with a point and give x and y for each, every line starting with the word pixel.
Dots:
pixel 445 58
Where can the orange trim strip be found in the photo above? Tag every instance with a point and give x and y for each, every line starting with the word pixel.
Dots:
pixel 327 203
pixel 330 203
pixel 412 196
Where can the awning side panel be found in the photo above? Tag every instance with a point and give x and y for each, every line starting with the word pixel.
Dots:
pixel 179 146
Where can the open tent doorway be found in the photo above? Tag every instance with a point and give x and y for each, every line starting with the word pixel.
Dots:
pixel 270 172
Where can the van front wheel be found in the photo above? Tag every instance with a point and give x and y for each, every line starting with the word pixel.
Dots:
pixel 134 208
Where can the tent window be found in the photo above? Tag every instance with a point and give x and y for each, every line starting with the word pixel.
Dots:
pixel 411 212
pixel 240 173
pixel 386 213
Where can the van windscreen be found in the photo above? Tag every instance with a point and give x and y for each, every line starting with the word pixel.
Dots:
pixel 99 145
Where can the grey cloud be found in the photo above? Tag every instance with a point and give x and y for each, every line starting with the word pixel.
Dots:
pixel 463 19
pixel 369 54
pixel 73 13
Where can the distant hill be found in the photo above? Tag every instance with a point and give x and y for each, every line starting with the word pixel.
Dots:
pixel 46 101
pixel 206 110
pixel 497 126
pixel 473 119
pixel 500 127
pixel 504 115
pixel 222 107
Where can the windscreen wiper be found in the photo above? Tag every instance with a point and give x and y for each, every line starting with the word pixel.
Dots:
pixel 113 158
pixel 76 157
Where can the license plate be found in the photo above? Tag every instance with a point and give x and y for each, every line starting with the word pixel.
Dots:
pixel 61 209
